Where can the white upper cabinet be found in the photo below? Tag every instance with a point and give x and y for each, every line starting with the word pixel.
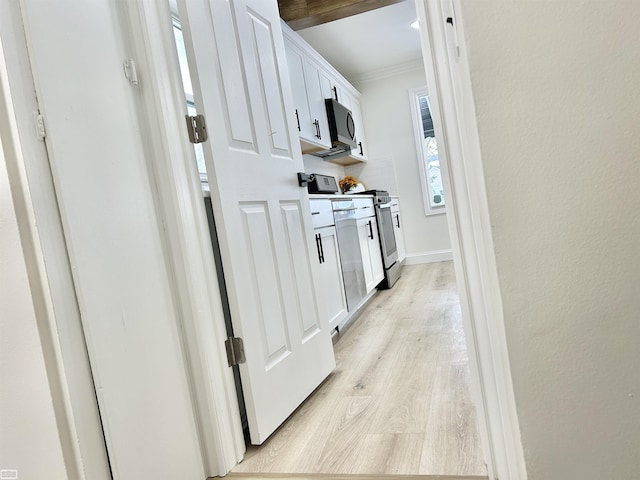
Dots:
pixel 296 64
pixel 313 80
pixel 361 149
pixel 352 102
pixel 318 113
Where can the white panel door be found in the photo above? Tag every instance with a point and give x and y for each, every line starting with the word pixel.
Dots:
pixel 241 83
pixel 333 299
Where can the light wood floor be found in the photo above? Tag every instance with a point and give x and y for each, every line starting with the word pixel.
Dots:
pixel 353 476
pixel 398 401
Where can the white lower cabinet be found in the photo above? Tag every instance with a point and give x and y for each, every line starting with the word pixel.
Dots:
pixel 397 229
pixel 370 249
pixel 332 300
pixel 333 304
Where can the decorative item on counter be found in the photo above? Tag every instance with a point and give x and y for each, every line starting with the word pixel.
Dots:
pixel 350 184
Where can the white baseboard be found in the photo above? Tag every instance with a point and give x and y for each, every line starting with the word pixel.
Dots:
pixel 428 257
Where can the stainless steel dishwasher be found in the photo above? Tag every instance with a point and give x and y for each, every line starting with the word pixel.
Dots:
pixel 344 215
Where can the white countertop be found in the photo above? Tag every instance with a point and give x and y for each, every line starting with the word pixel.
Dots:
pixel 336 196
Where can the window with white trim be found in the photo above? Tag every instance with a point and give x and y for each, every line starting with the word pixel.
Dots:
pixel 427 150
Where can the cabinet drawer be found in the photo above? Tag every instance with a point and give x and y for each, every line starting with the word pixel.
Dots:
pixel 395 205
pixel 321 213
pixel 364 207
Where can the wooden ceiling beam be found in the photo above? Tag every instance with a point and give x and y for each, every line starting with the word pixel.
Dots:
pixel 301 14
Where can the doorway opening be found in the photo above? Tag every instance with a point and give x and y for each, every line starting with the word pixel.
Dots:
pixel 399 401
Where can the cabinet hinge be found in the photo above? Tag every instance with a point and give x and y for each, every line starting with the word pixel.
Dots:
pixel 235 351
pixel 197 128
pixel 39 123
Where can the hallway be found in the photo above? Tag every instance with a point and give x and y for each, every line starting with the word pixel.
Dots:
pixel 398 401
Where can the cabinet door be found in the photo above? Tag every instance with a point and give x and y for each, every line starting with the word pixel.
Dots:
pixel 295 62
pixel 399 233
pixel 375 255
pixel 353 104
pixel 333 303
pixel 364 236
pixel 370 249
pixel 360 151
pixel 331 88
pixel 317 107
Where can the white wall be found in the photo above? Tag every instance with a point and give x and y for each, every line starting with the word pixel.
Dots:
pixel 557 95
pixel 29 439
pixel 393 160
pixel 317 165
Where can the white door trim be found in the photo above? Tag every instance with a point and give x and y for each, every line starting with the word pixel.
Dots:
pixel 181 208
pixel 470 228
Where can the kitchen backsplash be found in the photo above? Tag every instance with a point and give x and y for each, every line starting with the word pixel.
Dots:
pixel 377 173
pixel 317 165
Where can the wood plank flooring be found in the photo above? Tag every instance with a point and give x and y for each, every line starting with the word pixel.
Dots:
pixel 398 402
pixel 321 476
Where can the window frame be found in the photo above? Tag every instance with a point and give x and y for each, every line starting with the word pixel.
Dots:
pixel 425 184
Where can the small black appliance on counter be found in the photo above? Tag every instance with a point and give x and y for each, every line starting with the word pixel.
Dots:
pixel 322 184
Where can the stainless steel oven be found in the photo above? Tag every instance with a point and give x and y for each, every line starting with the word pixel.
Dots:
pixel 388 246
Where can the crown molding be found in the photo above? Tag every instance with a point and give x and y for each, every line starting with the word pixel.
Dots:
pixel 388 71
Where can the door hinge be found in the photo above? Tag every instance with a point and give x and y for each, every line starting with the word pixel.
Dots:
pixel 235 351
pixel 130 71
pixel 39 123
pixel 197 128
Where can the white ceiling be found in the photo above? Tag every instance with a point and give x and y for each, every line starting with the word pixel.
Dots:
pixel 368 42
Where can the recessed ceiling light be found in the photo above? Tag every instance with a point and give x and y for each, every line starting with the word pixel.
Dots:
pixel 416 24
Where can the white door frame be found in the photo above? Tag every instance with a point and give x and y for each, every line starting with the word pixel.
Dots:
pixel 447 70
pixel 190 252
pixel 162 108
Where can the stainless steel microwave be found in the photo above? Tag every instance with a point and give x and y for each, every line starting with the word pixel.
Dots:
pixel 341 125
pixel 342 130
